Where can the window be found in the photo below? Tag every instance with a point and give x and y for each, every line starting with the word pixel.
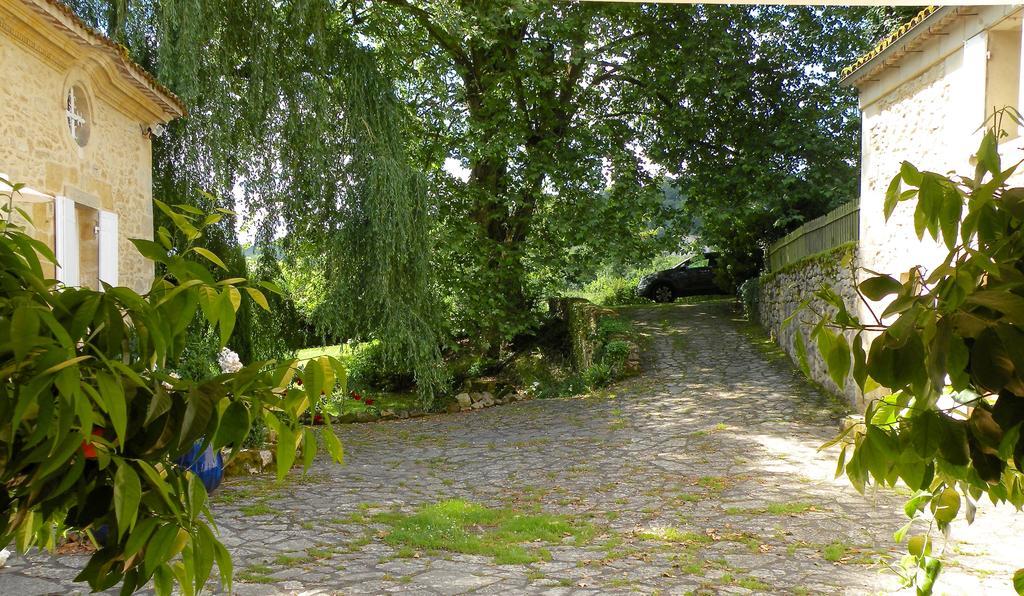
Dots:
pixel 78 115
pixel 85 242
pixel 1002 83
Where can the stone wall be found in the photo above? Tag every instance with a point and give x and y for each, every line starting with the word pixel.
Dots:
pixel 582 318
pixel 780 293
pixel 112 172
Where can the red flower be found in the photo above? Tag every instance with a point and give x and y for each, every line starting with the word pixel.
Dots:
pixel 298 381
pixel 318 419
pixel 355 395
pixel 369 402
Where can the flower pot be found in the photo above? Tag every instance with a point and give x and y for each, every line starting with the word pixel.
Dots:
pixel 208 465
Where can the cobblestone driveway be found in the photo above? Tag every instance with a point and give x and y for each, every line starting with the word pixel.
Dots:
pixel 716 441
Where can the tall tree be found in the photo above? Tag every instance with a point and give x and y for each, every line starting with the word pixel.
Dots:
pixel 750 116
pixel 547 105
pixel 517 93
pixel 289 113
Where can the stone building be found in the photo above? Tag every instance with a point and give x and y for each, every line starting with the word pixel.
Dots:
pixel 77 118
pixel 925 93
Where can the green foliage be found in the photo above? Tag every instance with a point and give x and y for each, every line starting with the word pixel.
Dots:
pixel 369 368
pixel 91 418
pixel 768 139
pixel 289 112
pixel 616 286
pixel 750 297
pixel 608 290
pixel 597 375
pixel 947 346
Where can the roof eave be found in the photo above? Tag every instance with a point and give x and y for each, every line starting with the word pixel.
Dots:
pixel 896 48
pixel 59 13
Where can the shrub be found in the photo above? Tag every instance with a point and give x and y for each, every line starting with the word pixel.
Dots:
pixel 947 348
pixel 368 368
pixel 91 421
pixel 609 290
pixel 598 375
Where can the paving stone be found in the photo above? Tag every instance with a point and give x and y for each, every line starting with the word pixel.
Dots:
pixel 711 424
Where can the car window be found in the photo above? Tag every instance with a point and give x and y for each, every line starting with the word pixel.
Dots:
pixel 700 261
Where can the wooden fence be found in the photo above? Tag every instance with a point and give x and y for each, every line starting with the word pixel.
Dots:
pixel 839 226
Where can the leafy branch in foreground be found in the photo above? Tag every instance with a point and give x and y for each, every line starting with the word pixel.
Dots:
pixel 92 418
pixel 948 346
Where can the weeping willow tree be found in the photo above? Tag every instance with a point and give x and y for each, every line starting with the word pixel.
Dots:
pixel 292 123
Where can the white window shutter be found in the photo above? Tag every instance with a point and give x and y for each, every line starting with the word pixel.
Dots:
pixel 66 241
pixel 108 247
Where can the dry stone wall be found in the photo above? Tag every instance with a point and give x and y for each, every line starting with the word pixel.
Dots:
pixel 781 293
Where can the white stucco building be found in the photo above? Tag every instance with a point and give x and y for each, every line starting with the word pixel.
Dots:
pixel 925 93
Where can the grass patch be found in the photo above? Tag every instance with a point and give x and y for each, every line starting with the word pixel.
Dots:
pixel 510 537
pixel 794 508
pixel 673 535
pixel 714 483
pixel 258 508
pixel 835 551
pixel 255 574
pixel 289 560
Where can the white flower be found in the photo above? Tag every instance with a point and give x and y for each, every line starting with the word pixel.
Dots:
pixel 4 555
pixel 167 385
pixel 228 361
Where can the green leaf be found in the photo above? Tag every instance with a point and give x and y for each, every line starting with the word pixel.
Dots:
pixel 258 297
pixel 313 380
pixel 333 445
pixel 234 426
pixel 24 328
pixel 1010 305
pixel 1018 581
pixel 196 496
pixel 151 250
pixel 308 448
pixel 127 494
pixel 988 153
pixel 950 214
pixel 916 503
pixel 892 196
pixel 285 450
pixel 880 286
pixel 159 405
pixel 226 316
pixel 224 565
pixel 926 433
pixel 69 362
pixel 991 366
pixel 203 554
pixel 200 408
pixel 140 535
pixel 115 401
pixel 838 360
pixel 910 174
pixel 160 546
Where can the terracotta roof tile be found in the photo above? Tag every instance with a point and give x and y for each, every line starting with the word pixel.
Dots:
pixel 890 39
pixel 120 54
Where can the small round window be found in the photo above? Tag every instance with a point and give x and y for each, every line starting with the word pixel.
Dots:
pixel 78 115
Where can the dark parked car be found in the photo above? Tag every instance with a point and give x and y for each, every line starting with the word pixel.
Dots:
pixel 694 276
